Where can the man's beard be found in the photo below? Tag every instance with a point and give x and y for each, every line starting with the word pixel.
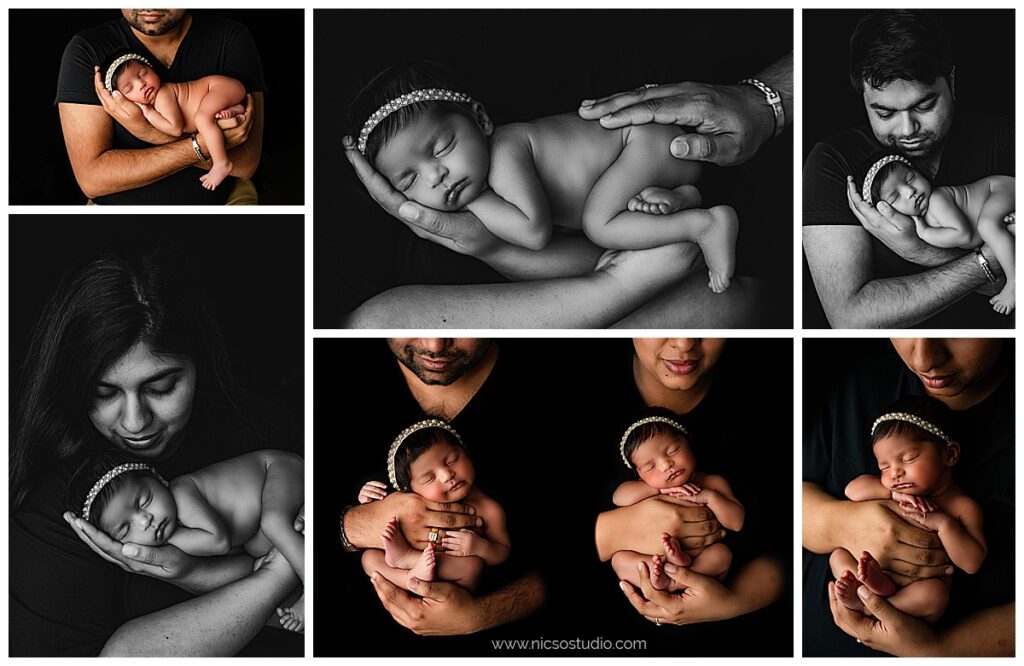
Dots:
pixel 162 27
pixel 459 363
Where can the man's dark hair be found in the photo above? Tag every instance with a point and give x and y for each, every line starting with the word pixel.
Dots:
pixel 395 81
pixel 903 44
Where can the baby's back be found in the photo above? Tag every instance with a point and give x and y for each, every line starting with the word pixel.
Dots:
pixel 234 489
pixel 970 198
pixel 570 154
pixel 190 95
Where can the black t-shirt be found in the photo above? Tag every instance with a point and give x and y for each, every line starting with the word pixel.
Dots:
pixel 212 45
pixel 67 601
pixel 742 431
pixel 977 147
pixel 354 430
pixel 837 450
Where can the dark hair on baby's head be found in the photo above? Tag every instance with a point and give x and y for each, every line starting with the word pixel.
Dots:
pixel 905 44
pixel 120 68
pixel 416 445
pixel 91 471
pixel 923 407
pixel 641 434
pixel 395 81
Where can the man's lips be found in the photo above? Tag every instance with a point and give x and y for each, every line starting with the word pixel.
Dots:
pixel 679 366
pixel 435 364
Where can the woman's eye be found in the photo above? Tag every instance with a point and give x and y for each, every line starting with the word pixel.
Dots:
pixel 163 389
pixel 105 394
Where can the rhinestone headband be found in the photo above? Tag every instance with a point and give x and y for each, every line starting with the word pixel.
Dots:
pixel 927 426
pixel 402 436
pixel 110 476
pixel 865 192
pixel 425 95
pixel 117 63
pixel 643 422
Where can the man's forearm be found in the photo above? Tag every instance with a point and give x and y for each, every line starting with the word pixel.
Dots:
pixel 517 600
pixel 905 301
pixel 779 77
pixel 363 526
pixel 121 170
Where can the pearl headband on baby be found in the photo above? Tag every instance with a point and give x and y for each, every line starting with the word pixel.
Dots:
pixel 109 81
pixel 425 95
pixel 927 426
pixel 110 476
pixel 402 436
pixel 865 191
pixel 643 422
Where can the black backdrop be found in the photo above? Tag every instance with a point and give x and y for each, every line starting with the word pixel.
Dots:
pixel 39 169
pixel 524 65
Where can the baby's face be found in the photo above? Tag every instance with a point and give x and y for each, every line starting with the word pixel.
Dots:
pixel 664 461
pixel 138 82
pixel 442 473
pixel 440 160
pixel 906 191
pixel 142 512
pixel 910 466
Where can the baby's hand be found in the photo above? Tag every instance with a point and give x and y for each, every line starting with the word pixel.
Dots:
pixel 373 490
pixel 685 491
pixel 461 543
pixel 913 502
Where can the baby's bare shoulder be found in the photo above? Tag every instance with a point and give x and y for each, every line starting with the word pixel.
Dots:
pixel 485 506
pixel 713 481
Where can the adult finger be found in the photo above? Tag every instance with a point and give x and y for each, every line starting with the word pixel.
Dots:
pixel 720 149
pixel 451 507
pixel 880 607
pixel 436 590
pixel 662 110
pixel 850 622
pixel 695 542
pixel 685 576
pixel 78 526
pixel 592 109
pixel 394 600
pixel 661 599
pixel 376 184
pixel 642 606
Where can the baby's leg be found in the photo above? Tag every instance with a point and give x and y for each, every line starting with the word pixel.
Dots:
pixel 926 599
pixel 869 572
pixel 625 562
pixel 843 564
pixel 373 561
pixel 463 571
pixel 713 561
pixel 660 201
pixel 397 551
pixel 222 95
pixel 992 229
pixel 283 498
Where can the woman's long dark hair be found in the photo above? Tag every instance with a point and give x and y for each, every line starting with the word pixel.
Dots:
pixel 102 307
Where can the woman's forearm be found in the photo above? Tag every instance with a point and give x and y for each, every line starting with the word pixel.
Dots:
pixel 216 624
pixel 817 520
pixel 757 584
pixel 210 573
pixel 987 633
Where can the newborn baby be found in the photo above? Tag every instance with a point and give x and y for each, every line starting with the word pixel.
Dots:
pixel 622 187
pixel 177 108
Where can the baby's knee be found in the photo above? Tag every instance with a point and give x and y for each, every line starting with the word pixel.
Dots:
pixel 372 560
pixel 840 561
pixel 717 556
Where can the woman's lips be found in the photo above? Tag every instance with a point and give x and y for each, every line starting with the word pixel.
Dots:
pixel 937 381
pixel 141 442
pixel 680 367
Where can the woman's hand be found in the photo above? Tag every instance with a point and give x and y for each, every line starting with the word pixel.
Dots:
pixel 704 599
pixel 888 631
pixel 165 562
pixel 905 551
pixel 459 232
pixel 639 527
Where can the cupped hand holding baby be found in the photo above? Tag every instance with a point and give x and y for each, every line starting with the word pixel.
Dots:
pixel 166 562
pixel 729 123
pixel 704 599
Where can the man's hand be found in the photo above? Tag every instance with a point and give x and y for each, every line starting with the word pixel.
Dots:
pixel 416 516
pixel 460 232
pixel 442 609
pixel 165 562
pixel 126 113
pixel 730 122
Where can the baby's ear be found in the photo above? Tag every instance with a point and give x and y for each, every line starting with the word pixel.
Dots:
pixel 952 453
pixel 482 119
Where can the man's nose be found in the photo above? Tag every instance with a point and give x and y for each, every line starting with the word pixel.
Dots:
pixel 927 354
pixel 908 124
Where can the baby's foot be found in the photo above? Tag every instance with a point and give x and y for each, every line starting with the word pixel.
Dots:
pixel 846 592
pixel 659 579
pixel 232 110
pixel 216 175
pixel 424 567
pixel 294 617
pixel 1004 301
pixel 396 548
pixel 660 201
pixel 870 573
pixel 673 551
pixel 718 242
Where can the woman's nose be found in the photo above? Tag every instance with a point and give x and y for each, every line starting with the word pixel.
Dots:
pixel 684 344
pixel 136 415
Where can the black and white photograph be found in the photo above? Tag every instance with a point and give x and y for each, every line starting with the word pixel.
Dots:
pixel 156 106
pixel 553 169
pixel 908 497
pixel 472 498
pixel 157 503
pixel 908 169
